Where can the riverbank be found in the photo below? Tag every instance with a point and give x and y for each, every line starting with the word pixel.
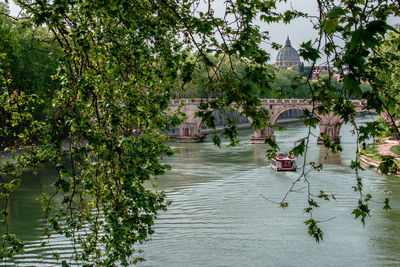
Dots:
pixel 372 155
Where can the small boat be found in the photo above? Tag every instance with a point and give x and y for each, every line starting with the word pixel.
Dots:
pixel 283 162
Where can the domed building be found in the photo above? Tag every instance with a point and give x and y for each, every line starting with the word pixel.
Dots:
pixel 288 57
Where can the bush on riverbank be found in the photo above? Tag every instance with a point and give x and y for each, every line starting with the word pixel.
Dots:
pixel 395 149
pixel 383 163
pixel 371 148
pixel 383 127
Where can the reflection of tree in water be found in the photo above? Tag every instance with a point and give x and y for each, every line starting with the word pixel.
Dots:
pixel 25 207
pixel 384 236
pixel 327 157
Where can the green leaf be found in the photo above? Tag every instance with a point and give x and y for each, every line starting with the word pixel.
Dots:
pixel 351 84
pixel 314 230
pixel 299 149
pixel 308 53
pixel 386 206
pixel 336 12
pixel 216 140
pixel 330 26
pixel 312 203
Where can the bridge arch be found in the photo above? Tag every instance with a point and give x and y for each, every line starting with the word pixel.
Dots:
pixel 329 124
pixel 276 109
pixel 276 114
pixel 189 130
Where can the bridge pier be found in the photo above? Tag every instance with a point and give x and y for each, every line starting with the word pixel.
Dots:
pixel 261 135
pixel 329 130
pixel 330 124
pixel 188 133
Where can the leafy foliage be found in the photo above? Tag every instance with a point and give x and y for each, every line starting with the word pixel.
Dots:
pixel 121 63
pixel 388 165
pixel 361 211
pixel 314 230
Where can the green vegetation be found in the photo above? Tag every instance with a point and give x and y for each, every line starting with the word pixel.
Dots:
pixel 371 151
pixel 382 128
pixel 207 82
pixel 395 149
pixel 371 148
pixel 28 60
pixel 288 83
pixel 387 163
pixel 386 71
pixel 103 88
pixel 285 83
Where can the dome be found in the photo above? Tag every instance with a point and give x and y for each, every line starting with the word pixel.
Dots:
pixel 288 53
pixel 288 57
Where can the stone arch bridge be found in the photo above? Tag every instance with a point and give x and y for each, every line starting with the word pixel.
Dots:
pixel 329 124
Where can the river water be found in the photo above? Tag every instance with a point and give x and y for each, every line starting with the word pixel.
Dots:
pixel 220 216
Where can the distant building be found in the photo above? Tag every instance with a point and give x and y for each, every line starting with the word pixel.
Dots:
pixel 288 57
pixel 320 71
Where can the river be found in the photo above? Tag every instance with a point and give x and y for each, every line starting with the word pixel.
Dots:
pixel 220 217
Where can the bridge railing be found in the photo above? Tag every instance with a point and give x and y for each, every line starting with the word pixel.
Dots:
pixel 271 101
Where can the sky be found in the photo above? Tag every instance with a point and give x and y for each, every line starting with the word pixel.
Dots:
pixel 13 8
pixel 299 30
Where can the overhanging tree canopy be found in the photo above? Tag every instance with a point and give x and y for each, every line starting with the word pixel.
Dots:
pixel 121 59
